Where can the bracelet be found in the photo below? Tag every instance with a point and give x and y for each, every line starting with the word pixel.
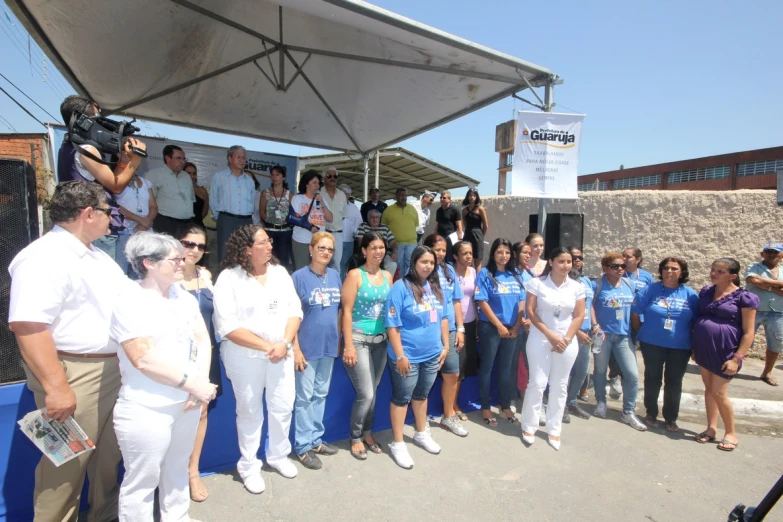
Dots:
pixel 739 356
pixel 461 329
pixel 183 381
pixel 121 166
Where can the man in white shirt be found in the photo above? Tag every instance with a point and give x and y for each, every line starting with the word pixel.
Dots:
pixel 351 221
pixel 231 196
pixel 60 313
pixel 336 201
pixel 422 206
pixel 173 190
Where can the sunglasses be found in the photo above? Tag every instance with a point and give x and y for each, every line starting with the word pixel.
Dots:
pixel 190 245
pixel 617 265
pixel 331 176
pixel 578 258
pixel 671 269
pixel 106 211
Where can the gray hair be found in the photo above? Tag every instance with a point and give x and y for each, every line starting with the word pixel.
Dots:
pixel 374 212
pixel 233 148
pixel 149 245
pixel 327 169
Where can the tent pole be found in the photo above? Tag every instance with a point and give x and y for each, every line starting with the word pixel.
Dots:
pixel 549 97
pixel 377 169
pixel 366 175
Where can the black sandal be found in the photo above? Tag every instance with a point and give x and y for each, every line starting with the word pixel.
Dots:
pixel 704 438
pixel 492 422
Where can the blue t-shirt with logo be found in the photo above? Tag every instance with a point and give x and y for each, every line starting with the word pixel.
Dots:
pixel 659 303
pixel 419 323
pixel 613 306
pixel 452 293
pixel 320 297
pixel 641 279
pixel 503 295
pixel 589 292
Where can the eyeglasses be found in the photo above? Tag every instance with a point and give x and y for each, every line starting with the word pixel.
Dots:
pixel 175 260
pixel 106 210
pixel 263 242
pixel 190 245
pixel 331 176
pixel 323 249
pixel 671 269
pixel 617 265
pixel 579 258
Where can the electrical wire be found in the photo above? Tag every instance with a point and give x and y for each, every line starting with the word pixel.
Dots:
pixel 22 107
pixel 8 124
pixel 54 118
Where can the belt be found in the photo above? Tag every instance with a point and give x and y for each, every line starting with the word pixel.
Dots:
pixel 270 226
pixel 249 216
pixel 86 355
pixel 333 231
pixel 369 339
pixel 188 220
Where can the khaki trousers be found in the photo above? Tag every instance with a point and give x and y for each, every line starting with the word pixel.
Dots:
pixel 96 383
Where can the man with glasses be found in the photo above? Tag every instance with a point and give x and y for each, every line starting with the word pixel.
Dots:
pixel 60 312
pixel 336 201
pixel 232 195
pixel 375 203
pixel 765 279
pixel 173 191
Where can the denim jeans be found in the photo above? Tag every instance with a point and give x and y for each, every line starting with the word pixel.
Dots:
pixel 416 385
pixel 404 252
pixel 578 373
pixel 625 354
pixel 667 366
pixel 365 376
pixel 451 364
pixel 281 246
pixel 491 345
pixel 312 386
pixel 122 241
pixel 337 257
pixel 773 329
pixel 107 244
pixel 347 254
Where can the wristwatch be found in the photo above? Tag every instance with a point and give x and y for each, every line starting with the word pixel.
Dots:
pixel 461 329
pixel 289 345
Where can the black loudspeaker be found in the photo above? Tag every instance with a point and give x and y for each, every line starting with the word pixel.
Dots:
pixel 565 230
pixel 18 227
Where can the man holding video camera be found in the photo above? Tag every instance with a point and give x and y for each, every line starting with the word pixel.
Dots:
pixel 84 163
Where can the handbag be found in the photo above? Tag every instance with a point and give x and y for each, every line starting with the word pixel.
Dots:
pixel 300 221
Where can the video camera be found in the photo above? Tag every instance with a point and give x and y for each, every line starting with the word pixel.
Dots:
pixel 106 135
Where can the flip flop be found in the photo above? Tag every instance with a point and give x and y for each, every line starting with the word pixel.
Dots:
pixel 461 416
pixel 722 445
pixel 359 455
pixel 770 380
pixel 375 448
pixel 703 438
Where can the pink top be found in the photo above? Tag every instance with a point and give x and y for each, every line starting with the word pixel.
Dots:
pixel 468 285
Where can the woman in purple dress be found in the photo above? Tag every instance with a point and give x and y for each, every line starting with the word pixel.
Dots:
pixel 722 335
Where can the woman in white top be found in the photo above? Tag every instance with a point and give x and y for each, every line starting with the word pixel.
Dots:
pixel 556 308
pixel 257 314
pixel 164 362
pixel 537 255
pixel 308 199
pixel 138 206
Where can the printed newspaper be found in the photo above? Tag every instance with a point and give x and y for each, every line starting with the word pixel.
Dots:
pixel 60 442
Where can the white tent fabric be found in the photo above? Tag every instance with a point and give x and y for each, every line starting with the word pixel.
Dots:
pixel 337 74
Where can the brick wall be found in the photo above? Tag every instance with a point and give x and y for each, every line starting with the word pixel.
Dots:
pixel 17 146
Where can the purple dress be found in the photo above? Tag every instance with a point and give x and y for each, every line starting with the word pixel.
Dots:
pixel 718 328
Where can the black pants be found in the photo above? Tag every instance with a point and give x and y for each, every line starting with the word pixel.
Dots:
pixel 281 246
pixel 667 366
pixel 226 224
pixel 169 225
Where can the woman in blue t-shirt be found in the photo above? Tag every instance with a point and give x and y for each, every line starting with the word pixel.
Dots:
pixel 418 332
pixel 500 296
pixel 669 309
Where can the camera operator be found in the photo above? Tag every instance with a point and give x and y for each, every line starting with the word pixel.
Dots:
pixel 72 165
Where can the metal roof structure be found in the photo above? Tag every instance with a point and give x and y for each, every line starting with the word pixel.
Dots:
pixel 335 74
pixel 396 167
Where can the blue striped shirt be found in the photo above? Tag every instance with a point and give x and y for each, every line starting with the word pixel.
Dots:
pixel 228 193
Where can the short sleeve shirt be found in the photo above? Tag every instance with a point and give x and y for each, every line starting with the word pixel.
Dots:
pixel 319 296
pixel 300 203
pixel 403 222
pixel 613 306
pixel 555 304
pixel 452 293
pixel 174 193
pixel 768 302
pixel 660 304
pixel 447 220
pixel 419 323
pixel 503 293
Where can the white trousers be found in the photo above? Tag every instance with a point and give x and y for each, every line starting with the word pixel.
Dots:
pixel 544 366
pixel 250 375
pixel 156 444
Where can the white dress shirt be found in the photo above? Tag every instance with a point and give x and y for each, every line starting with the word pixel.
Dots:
pixel 351 221
pixel 555 304
pixel 242 302
pixel 424 215
pixel 58 281
pixel 173 192
pixel 337 206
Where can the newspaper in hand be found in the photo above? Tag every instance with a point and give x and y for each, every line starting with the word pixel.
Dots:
pixel 60 442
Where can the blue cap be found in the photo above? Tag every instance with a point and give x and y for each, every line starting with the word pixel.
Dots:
pixel 777 247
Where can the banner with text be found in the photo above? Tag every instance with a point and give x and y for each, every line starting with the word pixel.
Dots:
pixel 546 155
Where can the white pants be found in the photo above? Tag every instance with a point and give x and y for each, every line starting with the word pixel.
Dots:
pixel 338 250
pixel 156 444
pixel 544 366
pixel 250 375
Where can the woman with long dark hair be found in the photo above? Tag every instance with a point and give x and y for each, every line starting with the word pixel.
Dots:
pixel 364 294
pixel 273 209
pixel 308 200
pixel 452 303
pixel 418 344
pixel 475 224
pixel 466 276
pixel 555 305
pixel 500 294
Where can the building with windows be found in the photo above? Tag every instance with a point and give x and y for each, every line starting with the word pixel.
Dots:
pixel 753 169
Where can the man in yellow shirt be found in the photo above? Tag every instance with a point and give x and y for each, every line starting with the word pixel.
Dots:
pixel 402 219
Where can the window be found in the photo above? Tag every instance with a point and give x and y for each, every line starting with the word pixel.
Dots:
pixel 683 176
pixel 509 159
pixel 587 187
pixel 754 168
pixel 638 181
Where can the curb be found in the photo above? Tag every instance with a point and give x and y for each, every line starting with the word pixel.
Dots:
pixel 742 407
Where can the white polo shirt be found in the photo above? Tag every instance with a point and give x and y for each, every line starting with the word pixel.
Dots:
pixel 174 193
pixel 71 288
pixel 242 302
pixel 336 206
pixel 555 304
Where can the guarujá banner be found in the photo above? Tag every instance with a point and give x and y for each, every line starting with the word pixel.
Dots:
pixel 546 155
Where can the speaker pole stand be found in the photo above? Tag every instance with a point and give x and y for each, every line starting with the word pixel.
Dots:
pixel 549 97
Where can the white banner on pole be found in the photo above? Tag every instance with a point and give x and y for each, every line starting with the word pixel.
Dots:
pixel 546 155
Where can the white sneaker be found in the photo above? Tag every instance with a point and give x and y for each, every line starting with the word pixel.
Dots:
pixel 254 484
pixel 424 440
pixel 399 452
pixel 615 388
pixel 600 410
pixel 633 421
pixel 285 467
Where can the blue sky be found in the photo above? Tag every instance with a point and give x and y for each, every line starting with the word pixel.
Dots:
pixel 659 81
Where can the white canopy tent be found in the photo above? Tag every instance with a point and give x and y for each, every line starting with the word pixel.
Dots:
pixel 335 74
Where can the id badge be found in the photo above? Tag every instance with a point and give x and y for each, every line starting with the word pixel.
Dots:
pixel 668 324
pixel 556 312
pixel 273 306
pixel 325 301
pixel 193 352
pixel 619 315
pixel 433 315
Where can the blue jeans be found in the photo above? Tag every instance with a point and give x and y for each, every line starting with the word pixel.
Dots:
pixel 365 376
pixel 347 254
pixel 578 373
pixel 625 355
pixel 107 244
pixel 114 247
pixel 451 364
pixel 416 385
pixel 404 257
pixel 312 385
pixel 773 329
pixel 491 345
